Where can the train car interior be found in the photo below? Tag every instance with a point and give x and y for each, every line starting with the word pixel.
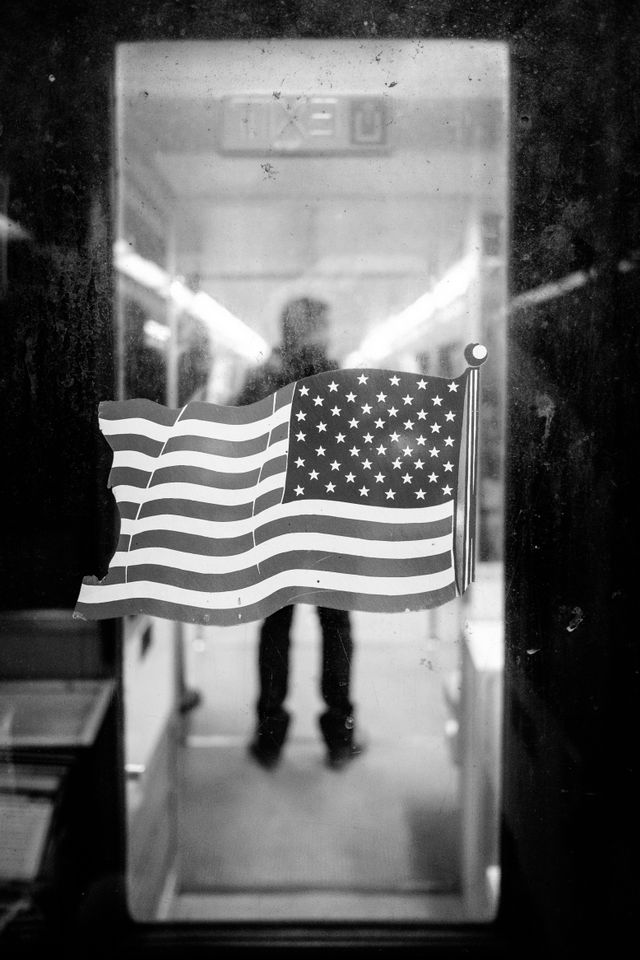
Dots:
pixel 372 176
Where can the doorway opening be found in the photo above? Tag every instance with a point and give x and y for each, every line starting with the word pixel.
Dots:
pixel 371 175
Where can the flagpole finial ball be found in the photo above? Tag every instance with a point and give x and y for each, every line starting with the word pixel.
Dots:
pixel 475 354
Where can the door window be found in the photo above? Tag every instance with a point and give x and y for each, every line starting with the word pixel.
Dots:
pixel 371 176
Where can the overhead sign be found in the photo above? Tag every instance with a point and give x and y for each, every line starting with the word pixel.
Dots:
pixel 299 124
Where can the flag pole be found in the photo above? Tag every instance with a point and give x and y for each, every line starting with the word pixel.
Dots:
pixel 475 354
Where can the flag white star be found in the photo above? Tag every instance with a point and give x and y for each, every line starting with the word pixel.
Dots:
pixel 420 494
pixel 300 415
pixel 336 411
pixel 322 427
pixel 349 477
pixel 335 465
pixel 407 400
pixel 448 466
pixel 453 386
pixel 313 474
pixel 435 428
pixel 390 495
pixel 340 437
pixel 318 401
pixel 365 408
pixel 437 401
pixel 422 384
pixel 408 424
pixel 407 451
pixel 397 464
pixel 300 436
pixel 364 491
pixel 354 451
pixel 379 477
pixel 351 397
pixel 362 378
pixel 418 465
pixel 320 451
pixel 392 411
pixel 434 452
pixel 381 397
pixel 354 423
pixel 394 380
pixel 304 391
pixel 330 487
pixel 394 437
pixel 448 442
pixel 366 464
pixel 450 415
pixel 299 462
pixel 299 491
pixel 381 450
pixel 433 477
pixel 333 386
pixel 407 478
pixel 422 415
pixel 368 438
pixel 379 423
pixel 446 490
pixel 421 440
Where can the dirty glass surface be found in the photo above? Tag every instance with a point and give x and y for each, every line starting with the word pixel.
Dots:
pixel 370 176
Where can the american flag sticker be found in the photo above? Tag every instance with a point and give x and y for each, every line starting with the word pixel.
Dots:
pixel 353 489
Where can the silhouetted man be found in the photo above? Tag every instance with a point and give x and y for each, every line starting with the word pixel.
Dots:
pixel 301 354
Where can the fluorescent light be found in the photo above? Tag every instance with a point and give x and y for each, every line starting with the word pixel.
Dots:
pixel 156 331
pixel 223 326
pixel 401 328
pixel 12 230
pixel 228 328
pixel 144 272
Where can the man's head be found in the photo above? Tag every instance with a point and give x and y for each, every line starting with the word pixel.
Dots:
pixel 305 325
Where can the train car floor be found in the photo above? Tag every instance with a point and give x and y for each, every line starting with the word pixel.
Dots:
pixel 301 840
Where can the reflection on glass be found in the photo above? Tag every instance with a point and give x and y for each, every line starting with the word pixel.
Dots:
pixel 372 176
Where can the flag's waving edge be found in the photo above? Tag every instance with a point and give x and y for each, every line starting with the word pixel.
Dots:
pixel 353 489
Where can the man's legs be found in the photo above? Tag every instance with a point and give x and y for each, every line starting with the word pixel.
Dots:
pixel 273 671
pixel 337 722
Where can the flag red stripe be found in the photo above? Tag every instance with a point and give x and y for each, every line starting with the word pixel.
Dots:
pixel 202 477
pixel 295 560
pixel 266 500
pixel 233 449
pixel 355 529
pixel 194 509
pixel 131 409
pixel 137 442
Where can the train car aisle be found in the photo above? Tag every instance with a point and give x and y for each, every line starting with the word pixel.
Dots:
pixel 303 840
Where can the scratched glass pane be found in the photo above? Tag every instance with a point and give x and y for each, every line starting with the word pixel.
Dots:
pixel 367 179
